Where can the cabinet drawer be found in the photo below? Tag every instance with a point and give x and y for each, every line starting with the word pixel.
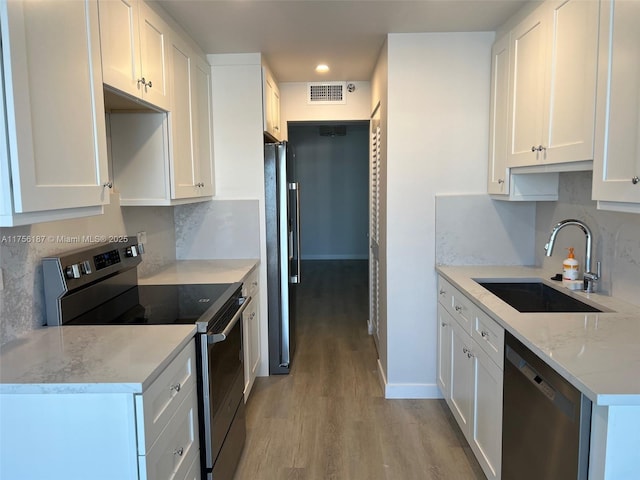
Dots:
pixel 458 305
pixel 250 283
pixel 490 337
pixel 445 294
pixel 172 455
pixel 160 401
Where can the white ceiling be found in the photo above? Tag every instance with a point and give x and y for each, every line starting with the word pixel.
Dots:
pixel 296 35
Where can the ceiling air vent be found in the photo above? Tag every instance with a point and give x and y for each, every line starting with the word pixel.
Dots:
pixel 326 93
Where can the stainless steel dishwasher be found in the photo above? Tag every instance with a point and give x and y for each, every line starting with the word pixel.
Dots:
pixel 546 420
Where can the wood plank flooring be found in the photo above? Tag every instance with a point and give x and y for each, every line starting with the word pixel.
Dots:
pixel 328 419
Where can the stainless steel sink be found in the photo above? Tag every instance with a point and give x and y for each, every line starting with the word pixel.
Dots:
pixel 535 297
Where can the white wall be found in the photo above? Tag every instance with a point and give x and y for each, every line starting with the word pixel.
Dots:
pixel 294 106
pixel 333 173
pixel 438 130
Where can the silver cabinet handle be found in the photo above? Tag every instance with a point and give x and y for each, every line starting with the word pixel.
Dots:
pixel 175 387
pixel 149 84
pixel 107 184
pixel 500 181
pixel 458 308
pixel 142 81
pixel 178 451
pixel 533 148
pixel 539 148
pixel 442 292
pixel 484 334
pixel 635 180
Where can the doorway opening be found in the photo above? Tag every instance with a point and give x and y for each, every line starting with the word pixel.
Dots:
pixel 332 168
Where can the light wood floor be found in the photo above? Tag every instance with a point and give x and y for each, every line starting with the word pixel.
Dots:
pixel 328 419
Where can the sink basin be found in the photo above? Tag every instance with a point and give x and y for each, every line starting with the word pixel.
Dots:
pixel 535 297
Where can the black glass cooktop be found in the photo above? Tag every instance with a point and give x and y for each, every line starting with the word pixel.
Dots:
pixel 163 304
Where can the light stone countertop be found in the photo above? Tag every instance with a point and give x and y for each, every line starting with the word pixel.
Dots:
pixel 599 353
pixel 201 271
pixel 90 359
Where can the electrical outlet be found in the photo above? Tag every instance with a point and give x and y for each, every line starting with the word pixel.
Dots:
pixel 142 237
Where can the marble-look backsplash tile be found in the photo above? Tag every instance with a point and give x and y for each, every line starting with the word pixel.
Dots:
pixel 220 229
pixel 22 299
pixel 476 230
pixel 616 242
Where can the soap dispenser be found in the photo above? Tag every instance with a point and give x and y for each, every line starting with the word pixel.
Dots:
pixel 570 267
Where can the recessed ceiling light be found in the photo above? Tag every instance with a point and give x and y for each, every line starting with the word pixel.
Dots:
pixel 322 68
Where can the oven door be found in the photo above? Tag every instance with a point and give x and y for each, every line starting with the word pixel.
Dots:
pixel 222 363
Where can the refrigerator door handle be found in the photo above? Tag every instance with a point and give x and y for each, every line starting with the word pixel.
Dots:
pixel 295 186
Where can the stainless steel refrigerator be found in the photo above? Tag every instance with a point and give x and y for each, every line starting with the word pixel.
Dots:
pixel 282 204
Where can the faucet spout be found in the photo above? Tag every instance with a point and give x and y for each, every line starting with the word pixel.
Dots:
pixel 587 231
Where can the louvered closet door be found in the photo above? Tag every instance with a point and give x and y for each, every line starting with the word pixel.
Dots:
pixel 374 226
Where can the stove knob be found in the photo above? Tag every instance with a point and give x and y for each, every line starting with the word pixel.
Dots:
pixel 85 267
pixel 131 251
pixel 73 271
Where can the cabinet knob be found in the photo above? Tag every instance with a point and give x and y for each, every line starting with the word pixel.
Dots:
pixel 458 309
pixel 635 180
pixel 500 181
pixel 108 184
pixel 444 324
pixel 149 84
pixel 484 334
pixel 142 81
pixel 175 387
pixel 539 148
pixel 442 292
pixel 178 451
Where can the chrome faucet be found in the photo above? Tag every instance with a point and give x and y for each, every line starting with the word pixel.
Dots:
pixel 589 277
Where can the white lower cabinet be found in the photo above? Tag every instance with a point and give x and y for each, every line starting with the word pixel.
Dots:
pixel 251 332
pixel 106 436
pixel 470 376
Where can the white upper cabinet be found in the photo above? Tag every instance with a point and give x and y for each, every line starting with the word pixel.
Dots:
pixel 134 50
pixel 271 104
pixel 190 119
pixel 553 79
pixel 165 158
pixel 498 175
pixel 616 168
pixel 54 158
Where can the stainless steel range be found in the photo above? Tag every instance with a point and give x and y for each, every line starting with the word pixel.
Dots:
pixel 99 286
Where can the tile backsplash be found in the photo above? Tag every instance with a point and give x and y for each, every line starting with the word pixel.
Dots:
pixel 22 295
pixel 616 242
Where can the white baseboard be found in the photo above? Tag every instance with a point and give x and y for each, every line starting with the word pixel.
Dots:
pixel 407 390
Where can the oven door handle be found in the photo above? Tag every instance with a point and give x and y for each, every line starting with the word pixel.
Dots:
pixel 222 336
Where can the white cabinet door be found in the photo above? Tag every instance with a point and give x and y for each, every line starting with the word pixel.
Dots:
pixel 527 50
pixel 120 44
pixel 190 118
pixel 251 330
pixel 485 435
pixel 154 34
pixel 498 178
pixel 553 84
pixel 251 325
pixel 616 168
pixel 134 50
pixel 571 81
pixel 183 172
pixel 461 377
pixel 444 351
pixel 271 99
pixel 54 105
pixel 203 125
